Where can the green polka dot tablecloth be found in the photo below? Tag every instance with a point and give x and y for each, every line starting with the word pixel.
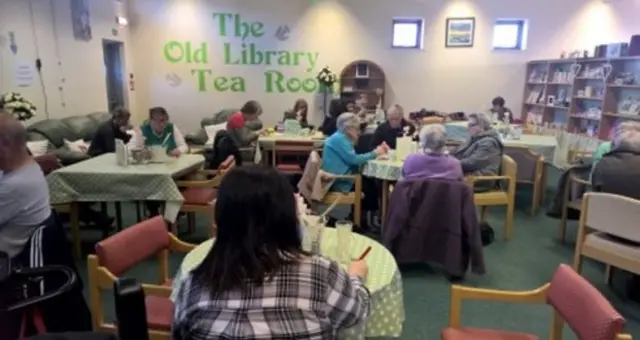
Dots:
pixel 383 169
pixel 101 179
pixel 384 282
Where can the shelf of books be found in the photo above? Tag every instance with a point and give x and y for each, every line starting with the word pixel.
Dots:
pixel 587 97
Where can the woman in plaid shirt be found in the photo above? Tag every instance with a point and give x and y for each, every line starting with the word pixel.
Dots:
pixel 257 282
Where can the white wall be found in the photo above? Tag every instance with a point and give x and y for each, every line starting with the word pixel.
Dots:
pixel 346 30
pixel 340 31
pixel 72 70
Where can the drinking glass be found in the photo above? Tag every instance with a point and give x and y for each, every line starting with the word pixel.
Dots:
pixel 344 229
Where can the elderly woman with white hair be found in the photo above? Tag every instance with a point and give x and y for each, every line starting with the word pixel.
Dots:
pixel 432 162
pixel 481 154
pixel 339 154
pixel 618 172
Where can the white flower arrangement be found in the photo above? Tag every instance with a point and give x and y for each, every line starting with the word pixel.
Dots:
pixel 18 106
pixel 326 77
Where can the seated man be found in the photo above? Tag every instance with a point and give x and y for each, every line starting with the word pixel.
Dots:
pixel 606 147
pixel 618 172
pixel 482 153
pixel 395 126
pixel 157 131
pixel 24 193
pixel 104 141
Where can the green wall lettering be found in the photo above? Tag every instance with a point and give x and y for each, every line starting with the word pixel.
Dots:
pixel 241 29
pixel 219 83
pixel 249 54
pixel 275 81
pixel 246 53
pixel 176 51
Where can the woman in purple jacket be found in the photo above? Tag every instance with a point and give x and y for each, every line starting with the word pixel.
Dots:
pixel 433 161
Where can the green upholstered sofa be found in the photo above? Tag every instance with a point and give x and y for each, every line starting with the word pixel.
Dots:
pixel 200 138
pixel 71 128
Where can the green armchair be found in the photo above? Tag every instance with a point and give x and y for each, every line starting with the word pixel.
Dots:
pixel 55 131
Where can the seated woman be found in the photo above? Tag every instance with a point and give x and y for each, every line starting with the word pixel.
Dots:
pixel 433 162
pixel 158 130
pixel 340 158
pixel 237 124
pixel 618 172
pixel 256 282
pixel 339 154
pixel 299 113
pixel 336 108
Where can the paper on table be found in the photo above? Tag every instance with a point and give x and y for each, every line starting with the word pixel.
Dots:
pixel 257 158
pixel 404 147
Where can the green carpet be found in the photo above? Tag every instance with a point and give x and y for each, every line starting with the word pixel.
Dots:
pixel 525 262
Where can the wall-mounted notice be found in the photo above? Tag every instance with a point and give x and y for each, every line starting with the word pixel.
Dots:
pixel 24 73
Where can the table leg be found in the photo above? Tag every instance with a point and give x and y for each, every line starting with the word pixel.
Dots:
pixel 384 201
pixel 74 222
pixel 118 216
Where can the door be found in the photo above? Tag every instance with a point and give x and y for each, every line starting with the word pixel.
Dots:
pixel 113 52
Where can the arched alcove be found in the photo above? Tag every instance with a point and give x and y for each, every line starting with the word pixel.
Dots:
pixel 363 78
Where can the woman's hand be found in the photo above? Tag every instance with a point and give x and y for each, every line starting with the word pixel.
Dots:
pixel 380 150
pixel 359 268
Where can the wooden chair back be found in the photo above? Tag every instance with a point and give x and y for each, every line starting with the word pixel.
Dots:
pixel 613 214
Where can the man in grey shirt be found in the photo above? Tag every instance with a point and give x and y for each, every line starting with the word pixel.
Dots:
pixel 24 194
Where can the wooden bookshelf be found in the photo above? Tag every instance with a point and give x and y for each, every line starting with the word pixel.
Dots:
pixel 367 86
pixel 577 96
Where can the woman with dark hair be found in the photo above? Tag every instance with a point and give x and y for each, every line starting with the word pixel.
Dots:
pixel 237 124
pixel 336 108
pixel 256 282
pixel 299 113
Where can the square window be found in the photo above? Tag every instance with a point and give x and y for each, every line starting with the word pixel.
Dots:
pixel 407 33
pixel 510 34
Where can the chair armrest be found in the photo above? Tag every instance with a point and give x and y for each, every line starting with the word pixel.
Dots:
pixel 459 293
pixel 156 290
pixel 471 180
pixel 208 172
pixel 343 176
pixel 487 178
pixel 211 183
pixel 176 244
pixel 576 179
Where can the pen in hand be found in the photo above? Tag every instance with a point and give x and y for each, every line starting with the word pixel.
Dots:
pixel 364 254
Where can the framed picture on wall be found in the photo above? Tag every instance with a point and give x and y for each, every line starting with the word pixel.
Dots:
pixel 460 32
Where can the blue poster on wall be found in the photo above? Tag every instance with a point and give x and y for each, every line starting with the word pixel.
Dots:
pixel 81 18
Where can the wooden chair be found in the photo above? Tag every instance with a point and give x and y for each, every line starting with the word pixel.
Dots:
pixel 530 172
pixel 121 252
pixel 350 198
pixel 295 150
pixel 310 179
pixel 498 196
pixel 573 299
pixel 574 155
pixel 608 232
pixel 199 195
pixel 571 199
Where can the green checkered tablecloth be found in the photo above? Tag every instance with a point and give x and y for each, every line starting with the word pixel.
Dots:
pixel 101 179
pixel 384 282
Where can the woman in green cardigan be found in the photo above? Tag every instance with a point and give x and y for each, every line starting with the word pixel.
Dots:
pixel 158 130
